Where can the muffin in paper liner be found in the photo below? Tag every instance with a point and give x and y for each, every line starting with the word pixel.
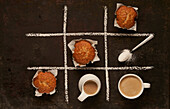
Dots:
pixel 134 28
pixel 93 43
pixel 38 94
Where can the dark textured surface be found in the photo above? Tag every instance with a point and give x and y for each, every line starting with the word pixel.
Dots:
pixel 18 17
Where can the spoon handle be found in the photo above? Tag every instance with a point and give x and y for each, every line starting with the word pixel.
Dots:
pixel 143 42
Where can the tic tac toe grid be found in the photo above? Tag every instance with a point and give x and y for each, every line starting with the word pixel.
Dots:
pixel 104 34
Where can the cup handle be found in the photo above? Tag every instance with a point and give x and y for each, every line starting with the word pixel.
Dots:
pixel 146 85
pixel 82 96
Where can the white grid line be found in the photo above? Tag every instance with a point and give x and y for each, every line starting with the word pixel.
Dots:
pixel 88 33
pixel 106 55
pixel 93 68
pixel 65 54
pixel 104 34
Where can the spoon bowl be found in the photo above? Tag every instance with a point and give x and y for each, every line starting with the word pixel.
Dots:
pixel 126 55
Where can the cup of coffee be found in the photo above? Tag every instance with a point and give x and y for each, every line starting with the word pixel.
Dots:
pixel 131 86
pixel 89 85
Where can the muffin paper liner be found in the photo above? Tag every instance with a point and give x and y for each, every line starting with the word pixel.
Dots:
pixel 93 43
pixel 134 28
pixel 38 94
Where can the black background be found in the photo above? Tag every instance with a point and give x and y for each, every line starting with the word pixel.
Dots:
pixel 17 52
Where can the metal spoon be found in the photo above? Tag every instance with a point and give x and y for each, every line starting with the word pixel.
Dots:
pixel 127 54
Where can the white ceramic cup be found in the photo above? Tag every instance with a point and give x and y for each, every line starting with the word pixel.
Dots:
pixel 144 85
pixel 82 81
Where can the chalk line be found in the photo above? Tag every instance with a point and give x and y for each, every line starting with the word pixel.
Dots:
pixel 89 34
pixel 65 54
pixel 106 55
pixel 105 34
pixel 93 68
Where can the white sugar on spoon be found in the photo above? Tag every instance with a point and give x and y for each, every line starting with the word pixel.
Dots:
pixel 126 55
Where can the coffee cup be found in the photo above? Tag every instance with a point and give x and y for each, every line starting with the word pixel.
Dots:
pixel 89 85
pixel 131 86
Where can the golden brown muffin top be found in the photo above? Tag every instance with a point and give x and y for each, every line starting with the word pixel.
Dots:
pixel 84 52
pixel 45 82
pixel 125 16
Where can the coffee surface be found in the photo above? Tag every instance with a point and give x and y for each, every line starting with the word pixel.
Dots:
pixel 90 87
pixel 130 86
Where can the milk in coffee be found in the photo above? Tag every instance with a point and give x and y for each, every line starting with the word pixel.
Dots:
pixel 90 87
pixel 130 86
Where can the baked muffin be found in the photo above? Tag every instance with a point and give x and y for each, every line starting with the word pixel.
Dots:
pixel 45 82
pixel 84 52
pixel 125 17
